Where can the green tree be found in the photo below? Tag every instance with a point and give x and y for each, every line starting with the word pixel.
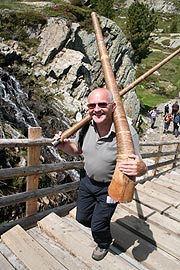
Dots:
pixel 141 21
pixel 104 7
pixel 173 26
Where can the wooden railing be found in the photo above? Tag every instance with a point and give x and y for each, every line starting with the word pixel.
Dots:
pixel 158 157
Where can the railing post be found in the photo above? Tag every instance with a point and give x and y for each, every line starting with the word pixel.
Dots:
pixel 176 155
pixel 157 158
pixel 33 157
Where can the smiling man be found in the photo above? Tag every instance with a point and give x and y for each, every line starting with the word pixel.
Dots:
pixel 99 149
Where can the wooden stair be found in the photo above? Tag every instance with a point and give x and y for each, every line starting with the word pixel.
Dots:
pixel 146 235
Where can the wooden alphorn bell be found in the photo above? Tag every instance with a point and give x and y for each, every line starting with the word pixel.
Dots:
pixel 122 186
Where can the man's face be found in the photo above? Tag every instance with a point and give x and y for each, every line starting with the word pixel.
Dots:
pixel 100 107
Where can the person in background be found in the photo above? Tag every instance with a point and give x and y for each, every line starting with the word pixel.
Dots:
pixel 94 206
pixel 167 120
pixel 176 122
pixel 166 109
pixel 153 115
pixel 175 108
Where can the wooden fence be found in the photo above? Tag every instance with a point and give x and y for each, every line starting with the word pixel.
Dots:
pixel 158 156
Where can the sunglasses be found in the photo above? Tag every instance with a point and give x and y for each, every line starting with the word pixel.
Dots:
pixel 100 105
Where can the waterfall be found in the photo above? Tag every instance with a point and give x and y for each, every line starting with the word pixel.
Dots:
pixel 14 110
pixel 13 107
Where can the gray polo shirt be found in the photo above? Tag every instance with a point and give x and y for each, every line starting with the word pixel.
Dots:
pixel 100 153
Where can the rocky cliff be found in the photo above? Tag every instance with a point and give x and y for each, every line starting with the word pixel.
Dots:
pixel 158 5
pixel 57 77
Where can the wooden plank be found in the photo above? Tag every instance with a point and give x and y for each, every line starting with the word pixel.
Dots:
pixel 143 251
pixel 150 232
pixel 26 248
pixel 169 183
pixel 137 208
pixel 174 178
pixel 177 169
pixel 57 250
pixel 173 213
pixel 29 222
pixel 40 169
pixel 114 249
pixel 164 190
pixel 11 258
pixel 156 218
pixel 156 191
pixel 165 222
pixel 151 202
pixel 32 181
pixel 4 264
pixel 79 244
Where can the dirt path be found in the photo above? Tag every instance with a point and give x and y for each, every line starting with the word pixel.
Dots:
pixel 157 134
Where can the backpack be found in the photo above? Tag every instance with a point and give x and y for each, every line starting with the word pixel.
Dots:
pixel 167 118
pixel 177 119
pixel 82 133
pixel 166 109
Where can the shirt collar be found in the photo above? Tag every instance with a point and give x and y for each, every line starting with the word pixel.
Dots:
pixel 112 129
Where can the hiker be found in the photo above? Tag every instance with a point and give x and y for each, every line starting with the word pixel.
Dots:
pixel 167 120
pixel 176 122
pixel 166 109
pixel 94 206
pixel 175 108
pixel 153 115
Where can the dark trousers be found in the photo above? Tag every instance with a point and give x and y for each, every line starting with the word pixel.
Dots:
pixel 153 120
pixel 175 130
pixel 93 211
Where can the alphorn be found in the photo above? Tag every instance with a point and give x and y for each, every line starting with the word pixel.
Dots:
pixel 72 130
pixel 122 186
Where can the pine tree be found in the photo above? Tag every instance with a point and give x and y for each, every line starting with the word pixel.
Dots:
pixel 141 21
pixel 104 7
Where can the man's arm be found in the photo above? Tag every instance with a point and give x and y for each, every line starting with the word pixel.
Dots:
pixel 67 146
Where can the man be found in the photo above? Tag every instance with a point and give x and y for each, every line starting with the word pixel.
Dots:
pixel 94 207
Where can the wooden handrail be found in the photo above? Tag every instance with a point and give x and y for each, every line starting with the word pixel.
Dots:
pixel 8 173
pixel 48 142
pixel 39 169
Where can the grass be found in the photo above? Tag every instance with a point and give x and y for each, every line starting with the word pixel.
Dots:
pixel 169 72
pixel 149 100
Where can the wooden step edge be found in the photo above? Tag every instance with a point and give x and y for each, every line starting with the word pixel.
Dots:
pixel 26 248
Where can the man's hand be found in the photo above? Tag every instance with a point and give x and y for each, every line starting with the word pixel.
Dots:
pixel 67 146
pixel 134 166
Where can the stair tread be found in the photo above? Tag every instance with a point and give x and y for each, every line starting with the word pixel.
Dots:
pixel 4 264
pixel 153 189
pixel 26 248
pixel 149 255
pixel 149 232
pixel 144 212
pixel 79 243
pixel 10 257
pixel 151 202
pixel 57 250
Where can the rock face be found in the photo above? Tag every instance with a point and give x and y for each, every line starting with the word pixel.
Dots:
pixel 70 59
pixel 66 67
pixel 158 5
